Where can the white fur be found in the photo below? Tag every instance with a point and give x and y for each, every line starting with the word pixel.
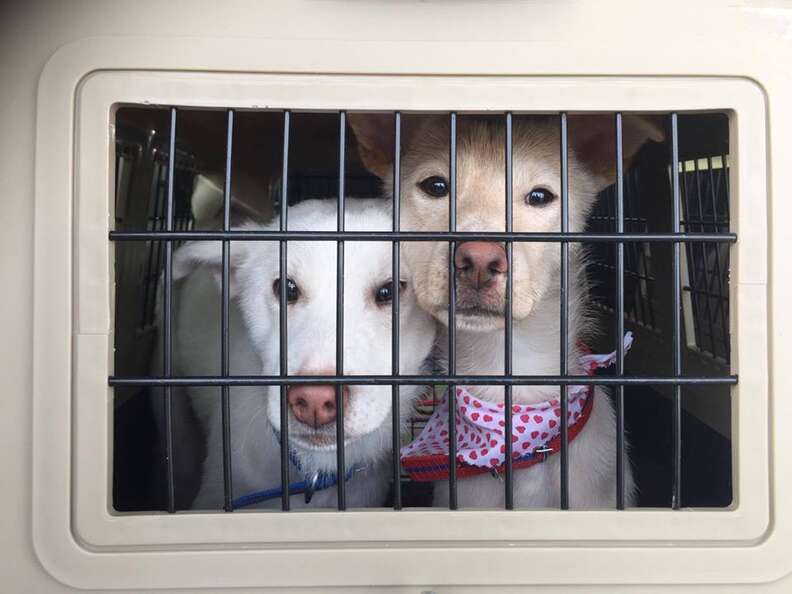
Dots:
pixel 255 412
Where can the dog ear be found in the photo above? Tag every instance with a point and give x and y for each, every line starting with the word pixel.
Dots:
pixel 374 133
pixel 208 254
pixel 375 138
pixel 593 139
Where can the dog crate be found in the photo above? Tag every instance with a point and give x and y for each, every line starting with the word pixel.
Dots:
pixel 141 481
pixel 136 138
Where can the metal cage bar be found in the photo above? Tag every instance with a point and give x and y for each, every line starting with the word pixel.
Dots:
pixel 396 288
pixel 508 342
pixel 167 331
pixel 283 318
pixel 225 370
pixel 676 488
pixel 564 329
pixel 340 463
pixel 620 453
pixel 418 380
pixel 452 199
pixel 457 236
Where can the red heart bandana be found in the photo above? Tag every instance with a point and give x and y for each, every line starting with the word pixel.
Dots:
pixel 480 424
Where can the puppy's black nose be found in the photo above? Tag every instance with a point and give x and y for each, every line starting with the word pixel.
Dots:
pixel 480 262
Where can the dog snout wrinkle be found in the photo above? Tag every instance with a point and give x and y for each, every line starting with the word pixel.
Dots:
pixel 479 263
pixel 315 405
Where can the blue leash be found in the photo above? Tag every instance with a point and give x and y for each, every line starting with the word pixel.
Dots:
pixel 319 481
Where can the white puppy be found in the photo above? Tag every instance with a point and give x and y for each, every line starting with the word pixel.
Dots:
pixel 254 350
pixel 481 280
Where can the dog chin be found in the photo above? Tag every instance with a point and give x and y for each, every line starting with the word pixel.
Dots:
pixel 316 442
pixel 473 320
pixel 321 454
pixel 321 441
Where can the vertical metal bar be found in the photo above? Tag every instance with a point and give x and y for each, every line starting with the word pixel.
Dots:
pixel 452 445
pixel 395 260
pixel 564 330
pixel 340 463
pixel 167 334
pixel 677 328
pixel 284 343
pixel 225 326
pixel 620 457
pixel 508 342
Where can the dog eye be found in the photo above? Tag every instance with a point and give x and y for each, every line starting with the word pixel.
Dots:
pixel 539 197
pixel 435 186
pixel 384 294
pixel 292 290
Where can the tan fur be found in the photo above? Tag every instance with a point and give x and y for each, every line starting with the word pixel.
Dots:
pixel 536 266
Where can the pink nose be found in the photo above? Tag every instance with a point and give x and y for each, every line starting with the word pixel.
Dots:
pixel 315 405
pixel 480 262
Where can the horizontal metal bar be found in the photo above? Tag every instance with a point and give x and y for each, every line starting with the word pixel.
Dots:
pixel 420 380
pixel 241 235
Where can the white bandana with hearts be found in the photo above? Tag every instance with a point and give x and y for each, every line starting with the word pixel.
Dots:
pixel 480 424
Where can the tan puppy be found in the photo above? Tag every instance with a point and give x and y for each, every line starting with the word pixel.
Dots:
pixel 482 266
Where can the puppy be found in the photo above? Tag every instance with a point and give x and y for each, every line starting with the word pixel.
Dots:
pixel 311 332
pixel 481 269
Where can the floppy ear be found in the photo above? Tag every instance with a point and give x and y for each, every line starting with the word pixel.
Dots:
pixel 208 254
pixel 593 139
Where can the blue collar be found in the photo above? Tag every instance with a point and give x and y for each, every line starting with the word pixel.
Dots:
pixel 318 481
